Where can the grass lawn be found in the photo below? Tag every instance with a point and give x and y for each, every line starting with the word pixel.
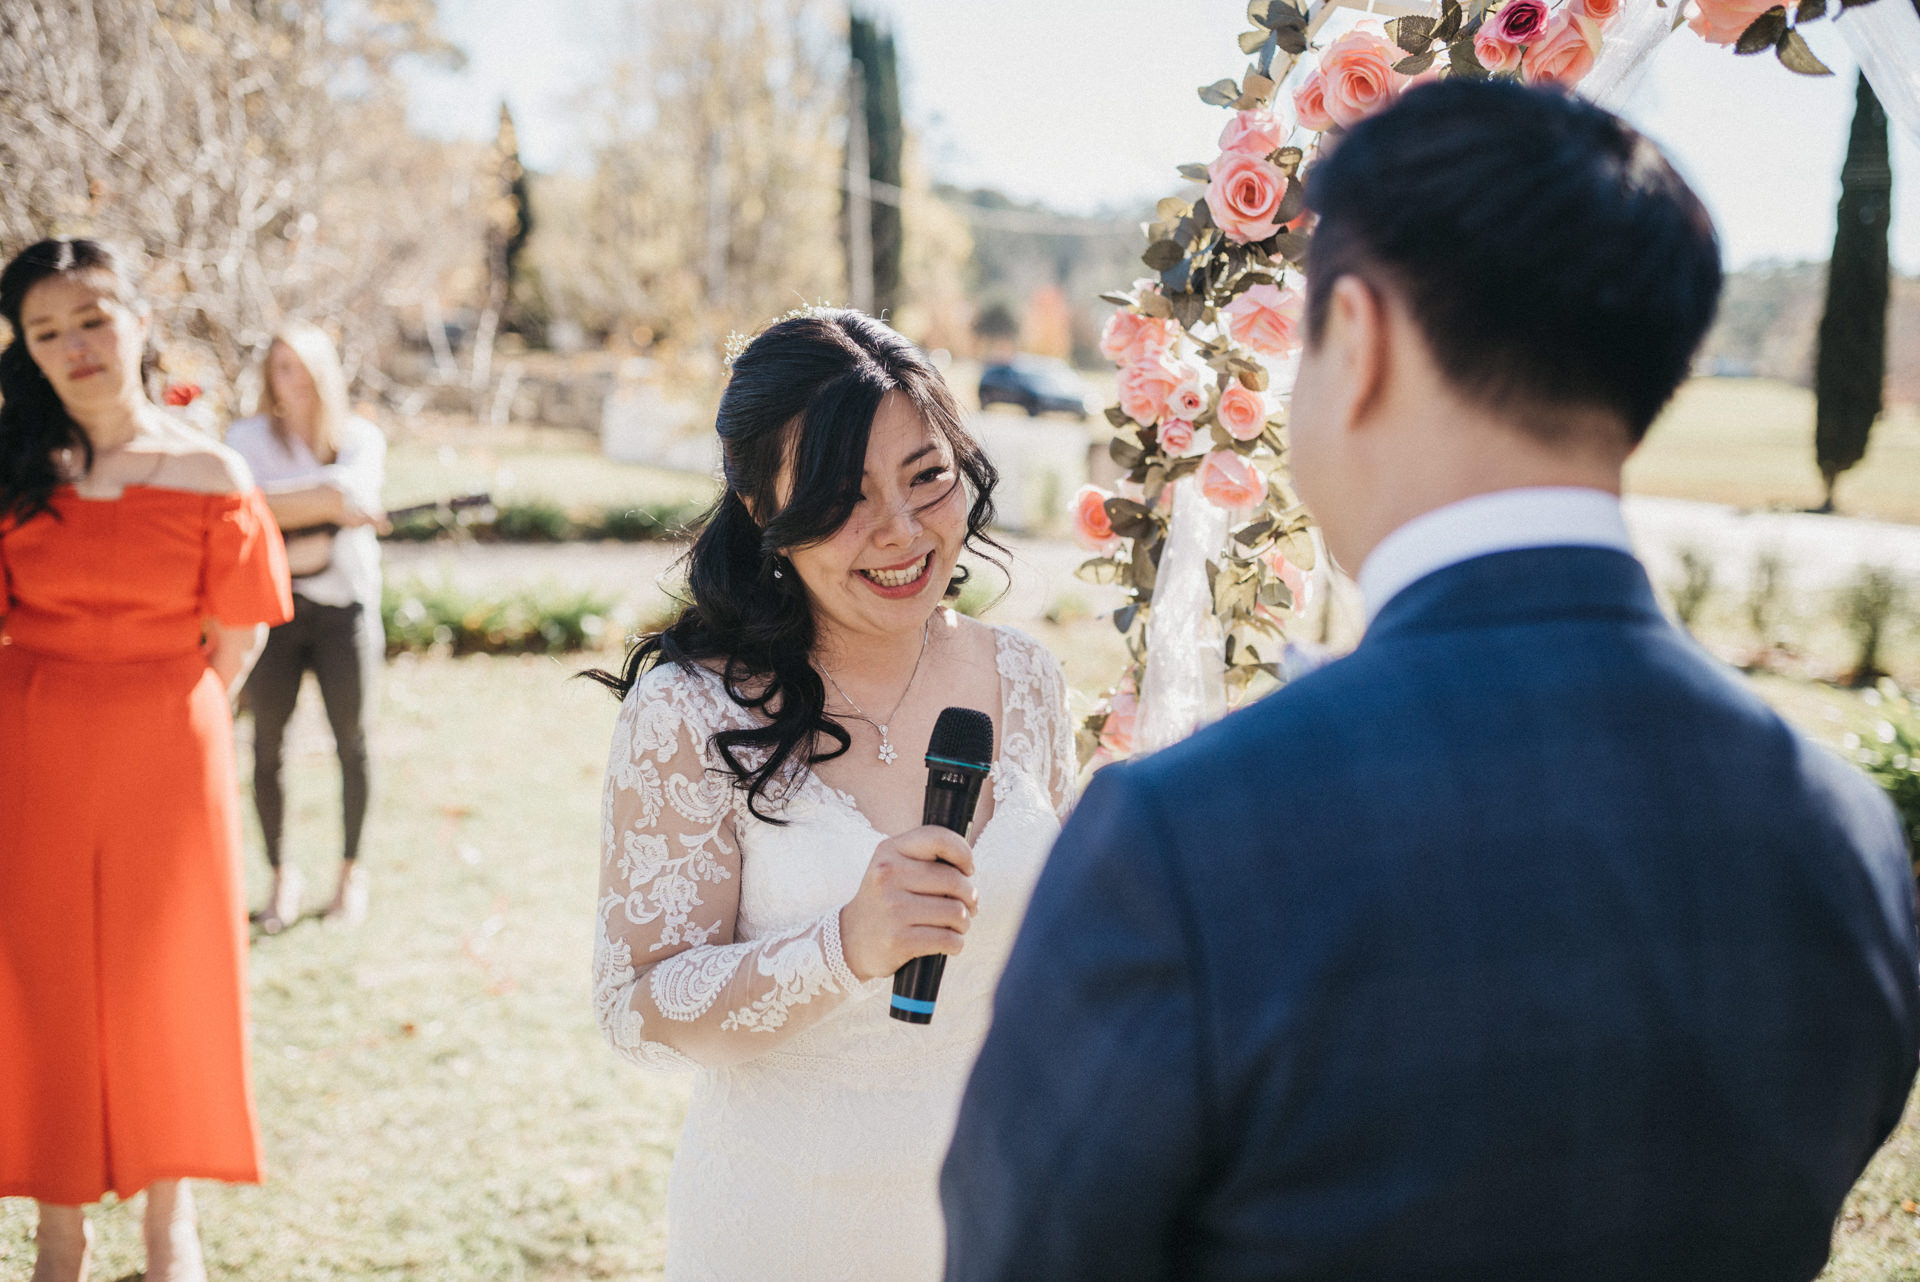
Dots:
pixel 1749 443
pixel 436 1100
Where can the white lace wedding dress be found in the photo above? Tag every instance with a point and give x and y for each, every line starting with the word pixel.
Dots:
pixel 813 1144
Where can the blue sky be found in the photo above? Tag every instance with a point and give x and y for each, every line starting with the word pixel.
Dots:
pixel 1091 103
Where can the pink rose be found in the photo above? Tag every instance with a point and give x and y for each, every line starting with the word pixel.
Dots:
pixel 1358 68
pixel 1256 133
pixel 1145 386
pixel 1721 22
pixel 1176 438
pixel 1601 11
pixel 1244 193
pixel 1310 104
pixel 1091 528
pixel 1565 54
pixel 1188 400
pixel 1130 336
pixel 1267 318
pixel 1230 481
pixel 1520 22
pixel 1116 735
pixel 1495 54
pixel 1242 412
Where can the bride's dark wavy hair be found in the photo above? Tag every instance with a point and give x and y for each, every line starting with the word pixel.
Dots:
pixel 802 396
pixel 34 424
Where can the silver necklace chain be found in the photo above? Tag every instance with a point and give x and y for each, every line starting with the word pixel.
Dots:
pixel 887 754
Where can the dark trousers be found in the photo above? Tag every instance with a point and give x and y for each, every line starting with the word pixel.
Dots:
pixel 343 647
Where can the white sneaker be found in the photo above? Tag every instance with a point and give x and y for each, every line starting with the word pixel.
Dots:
pixel 349 906
pixel 283 905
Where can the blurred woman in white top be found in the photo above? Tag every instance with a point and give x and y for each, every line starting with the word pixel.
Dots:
pixel 321 468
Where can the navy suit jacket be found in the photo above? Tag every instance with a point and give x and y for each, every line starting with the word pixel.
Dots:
pixel 1524 942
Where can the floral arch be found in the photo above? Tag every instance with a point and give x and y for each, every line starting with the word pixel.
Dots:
pixel 1205 534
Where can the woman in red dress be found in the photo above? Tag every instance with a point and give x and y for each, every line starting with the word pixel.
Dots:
pixel 139 569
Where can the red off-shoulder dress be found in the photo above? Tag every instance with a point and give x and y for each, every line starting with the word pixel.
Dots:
pixel 123 946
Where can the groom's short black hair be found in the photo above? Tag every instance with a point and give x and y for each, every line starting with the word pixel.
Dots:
pixel 1549 253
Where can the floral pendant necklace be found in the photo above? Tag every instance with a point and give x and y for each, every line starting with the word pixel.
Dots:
pixel 887 753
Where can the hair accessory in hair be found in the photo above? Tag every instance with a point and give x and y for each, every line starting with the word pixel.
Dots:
pixel 738 342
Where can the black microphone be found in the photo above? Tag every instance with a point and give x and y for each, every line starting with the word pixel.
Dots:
pixel 958 758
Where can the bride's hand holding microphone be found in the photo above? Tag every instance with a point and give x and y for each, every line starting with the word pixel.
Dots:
pixel 916 899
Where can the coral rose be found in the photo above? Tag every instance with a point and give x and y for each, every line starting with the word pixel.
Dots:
pixel 1359 74
pixel 1601 11
pixel 1293 576
pixel 1242 412
pixel 1091 528
pixel 1177 437
pixel 1520 22
pixel 1244 193
pixel 1229 481
pixel 1145 386
pixel 1495 54
pixel 1310 104
pixel 1720 22
pixel 1565 54
pixel 1267 318
pixel 1256 133
pixel 1130 336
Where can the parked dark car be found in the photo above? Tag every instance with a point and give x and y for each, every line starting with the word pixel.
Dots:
pixel 1035 384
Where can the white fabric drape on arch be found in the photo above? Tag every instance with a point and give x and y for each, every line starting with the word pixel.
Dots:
pixel 1885 39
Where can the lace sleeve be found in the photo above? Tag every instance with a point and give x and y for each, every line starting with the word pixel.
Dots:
pixel 1039 731
pixel 672 987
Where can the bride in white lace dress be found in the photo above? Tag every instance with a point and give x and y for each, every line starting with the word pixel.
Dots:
pixel 764 871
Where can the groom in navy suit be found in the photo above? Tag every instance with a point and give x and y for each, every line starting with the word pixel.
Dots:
pixel 1524 942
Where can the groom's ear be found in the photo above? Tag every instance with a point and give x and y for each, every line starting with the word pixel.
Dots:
pixel 1358 340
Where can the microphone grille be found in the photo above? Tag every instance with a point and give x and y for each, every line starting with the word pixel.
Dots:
pixel 963 734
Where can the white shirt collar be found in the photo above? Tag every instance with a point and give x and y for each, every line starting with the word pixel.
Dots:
pixel 1499 522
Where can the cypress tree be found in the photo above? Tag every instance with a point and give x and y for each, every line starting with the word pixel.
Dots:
pixel 1851 366
pixel 873 49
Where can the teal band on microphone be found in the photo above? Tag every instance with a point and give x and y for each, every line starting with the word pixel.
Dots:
pixel 910 1004
pixel 949 761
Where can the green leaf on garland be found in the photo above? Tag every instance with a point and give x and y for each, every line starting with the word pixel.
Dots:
pixel 1183 467
pixel 1463 62
pixel 1101 569
pixel 1288 159
pixel 1291 245
pixel 1276 595
pixel 1796 57
pixel 1171 209
pixel 1452 18
pixel 1154 304
pixel 1119 417
pixel 1187 309
pixel 1195 173
pixel 1810 11
pixel 1252 534
pixel 1256 90
pixel 1293 202
pixel 1255 379
pixel 1163 254
pixel 1414 65
pixel 1117 299
pixel 1125 452
pixel 1219 93
pixel 1764 32
pixel 1250 41
pixel 1130 520
pixel 1123 617
pixel 1412 33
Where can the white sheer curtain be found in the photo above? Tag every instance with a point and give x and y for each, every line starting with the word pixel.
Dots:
pixel 1629 46
pixel 1185 683
pixel 1885 39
